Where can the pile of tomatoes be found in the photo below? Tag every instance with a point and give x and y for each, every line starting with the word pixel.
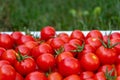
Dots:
pixel 52 56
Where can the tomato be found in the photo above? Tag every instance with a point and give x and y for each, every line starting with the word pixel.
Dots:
pixel 47 33
pixel 69 48
pixel 40 49
pixel 86 75
pixel 23 49
pixel 100 76
pixel 75 42
pixel 36 76
pixel 106 55
pixel 63 55
pixel 6 41
pixel 72 77
pixel 2 50
pixel 16 36
pixel 118 69
pixel 7 72
pixel 118 59
pixel 9 55
pixel 90 62
pixel 18 76
pixel 95 34
pixel 107 68
pixel 55 76
pixel 64 36
pixel 4 62
pixel 115 35
pixel 57 43
pixel 77 34
pixel 46 61
pixel 31 44
pixel 25 38
pixel 25 65
pixel 94 42
pixel 87 49
pixel 69 66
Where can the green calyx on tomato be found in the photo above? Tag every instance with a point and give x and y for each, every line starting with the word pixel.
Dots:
pixel 109 75
pixel 20 57
pixel 79 48
pixel 108 44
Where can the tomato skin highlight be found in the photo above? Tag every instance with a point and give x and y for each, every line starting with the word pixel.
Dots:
pixel 90 62
pixel 69 66
pixel 7 72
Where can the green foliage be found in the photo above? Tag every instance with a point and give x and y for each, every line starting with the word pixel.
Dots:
pixel 61 14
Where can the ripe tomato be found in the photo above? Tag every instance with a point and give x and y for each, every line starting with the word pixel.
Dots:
pixel 94 42
pixel 36 76
pixel 95 34
pixel 106 55
pixel 118 69
pixel 4 62
pixel 16 36
pixel 77 34
pixel 115 35
pixel 100 76
pixel 64 36
pixel 90 62
pixel 6 41
pixel 75 42
pixel 18 76
pixel 25 65
pixel 31 44
pixel 47 33
pixel 72 77
pixel 2 50
pixel 9 55
pixel 55 76
pixel 69 66
pixel 7 72
pixel 46 61
pixel 57 43
pixel 25 38
pixel 86 75
pixel 40 49
pixel 63 55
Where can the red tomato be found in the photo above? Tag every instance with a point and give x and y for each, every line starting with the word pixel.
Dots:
pixel 9 55
pixel 77 34
pixel 107 68
pixel 63 55
pixel 100 76
pixel 106 55
pixel 25 38
pixel 75 42
pixel 118 59
pixel 31 44
pixel 40 49
pixel 72 77
pixel 94 42
pixel 36 76
pixel 46 61
pixel 18 76
pixel 25 66
pixel 55 76
pixel 47 33
pixel 115 35
pixel 69 66
pixel 64 36
pixel 16 36
pixel 23 49
pixel 86 75
pixel 7 72
pixel 2 50
pixel 4 62
pixel 57 43
pixel 118 69
pixel 6 41
pixel 90 62
pixel 95 34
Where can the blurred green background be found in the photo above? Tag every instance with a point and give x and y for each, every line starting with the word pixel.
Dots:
pixel 61 14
